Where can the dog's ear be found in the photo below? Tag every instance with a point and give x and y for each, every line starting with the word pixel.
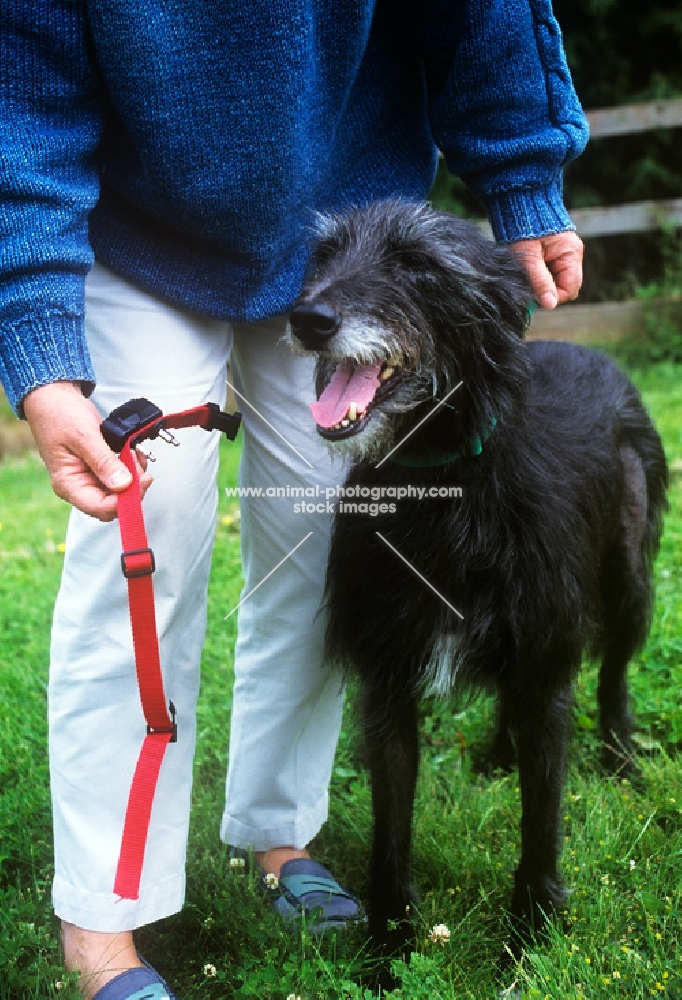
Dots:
pixel 486 278
pixel 511 281
pixel 483 311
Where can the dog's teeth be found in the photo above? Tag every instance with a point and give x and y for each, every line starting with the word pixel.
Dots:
pixel 386 373
pixel 353 411
pixel 345 423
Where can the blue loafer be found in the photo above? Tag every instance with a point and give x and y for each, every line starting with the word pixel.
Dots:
pixel 306 889
pixel 136 984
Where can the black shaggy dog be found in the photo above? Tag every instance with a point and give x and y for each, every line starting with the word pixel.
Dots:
pixel 424 378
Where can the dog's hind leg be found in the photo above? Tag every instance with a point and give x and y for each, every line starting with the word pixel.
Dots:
pixel 626 594
pixel 392 745
pixel 542 723
pixel 615 721
pixel 499 753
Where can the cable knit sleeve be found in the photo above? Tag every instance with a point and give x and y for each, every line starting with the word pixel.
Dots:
pixel 503 108
pixel 50 125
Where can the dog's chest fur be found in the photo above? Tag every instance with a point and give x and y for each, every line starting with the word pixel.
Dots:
pixel 382 613
pixel 529 512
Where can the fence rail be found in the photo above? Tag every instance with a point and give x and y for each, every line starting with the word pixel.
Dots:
pixel 640 216
pixel 633 118
pixel 637 217
pixel 612 320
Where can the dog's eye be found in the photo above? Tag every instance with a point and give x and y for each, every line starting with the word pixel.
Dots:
pixel 318 260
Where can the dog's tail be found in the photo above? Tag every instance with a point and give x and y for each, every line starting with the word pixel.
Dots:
pixel 629 607
pixel 640 434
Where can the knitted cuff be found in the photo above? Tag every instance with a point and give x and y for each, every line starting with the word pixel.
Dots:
pixel 43 347
pixel 524 215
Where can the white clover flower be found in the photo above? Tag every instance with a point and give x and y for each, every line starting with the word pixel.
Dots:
pixel 209 970
pixel 60 984
pixel 237 863
pixel 440 934
pixel 271 881
pixel 292 996
pixel 632 863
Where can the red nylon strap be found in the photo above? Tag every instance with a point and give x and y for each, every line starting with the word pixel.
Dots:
pixel 138 814
pixel 138 564
pixel 198 416
pixel 141 600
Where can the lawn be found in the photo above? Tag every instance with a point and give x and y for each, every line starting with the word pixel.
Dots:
pixel 623 846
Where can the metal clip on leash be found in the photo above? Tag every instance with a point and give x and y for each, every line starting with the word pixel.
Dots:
pixel 124 429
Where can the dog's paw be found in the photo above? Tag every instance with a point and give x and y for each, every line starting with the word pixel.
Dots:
pixel 391 937
pixel 534 905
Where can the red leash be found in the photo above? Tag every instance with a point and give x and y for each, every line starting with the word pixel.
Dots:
pixel 126 427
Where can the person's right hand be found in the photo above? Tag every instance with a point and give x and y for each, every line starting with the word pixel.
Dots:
pixel 83 469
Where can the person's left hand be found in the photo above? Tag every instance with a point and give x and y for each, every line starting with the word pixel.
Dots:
pixel 554 265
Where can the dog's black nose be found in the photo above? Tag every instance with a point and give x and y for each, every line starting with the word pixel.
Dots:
pixel 314 323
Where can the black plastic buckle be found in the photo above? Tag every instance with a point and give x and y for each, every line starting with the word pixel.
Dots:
pixel 128 418
pixel 173 729
pixel 144 570
pixel 218 420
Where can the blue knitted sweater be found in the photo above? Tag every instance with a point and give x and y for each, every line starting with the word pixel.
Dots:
pixel 187 143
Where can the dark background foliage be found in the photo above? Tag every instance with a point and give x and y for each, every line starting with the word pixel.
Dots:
pixel 620 52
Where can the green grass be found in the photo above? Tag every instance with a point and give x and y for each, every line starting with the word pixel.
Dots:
pixel 623 847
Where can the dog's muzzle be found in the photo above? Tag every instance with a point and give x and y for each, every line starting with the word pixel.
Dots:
pixel 314 324
pixel 352 387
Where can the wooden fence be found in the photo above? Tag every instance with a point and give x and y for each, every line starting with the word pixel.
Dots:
pixel 612 320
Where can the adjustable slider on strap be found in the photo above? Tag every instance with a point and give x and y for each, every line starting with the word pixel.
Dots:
pixel 139 567
pixel 163 730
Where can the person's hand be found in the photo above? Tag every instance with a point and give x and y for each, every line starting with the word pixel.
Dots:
pixel 554 265
pixel 83 469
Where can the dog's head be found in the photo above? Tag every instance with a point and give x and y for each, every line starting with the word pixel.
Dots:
pixel 401 304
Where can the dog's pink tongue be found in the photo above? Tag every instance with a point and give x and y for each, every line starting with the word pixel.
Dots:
pixel 346 386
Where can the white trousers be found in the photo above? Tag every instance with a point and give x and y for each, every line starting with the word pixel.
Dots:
pixel 286 704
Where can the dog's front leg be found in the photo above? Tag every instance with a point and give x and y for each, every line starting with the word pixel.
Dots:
pixel 542 728
pixel 392 742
